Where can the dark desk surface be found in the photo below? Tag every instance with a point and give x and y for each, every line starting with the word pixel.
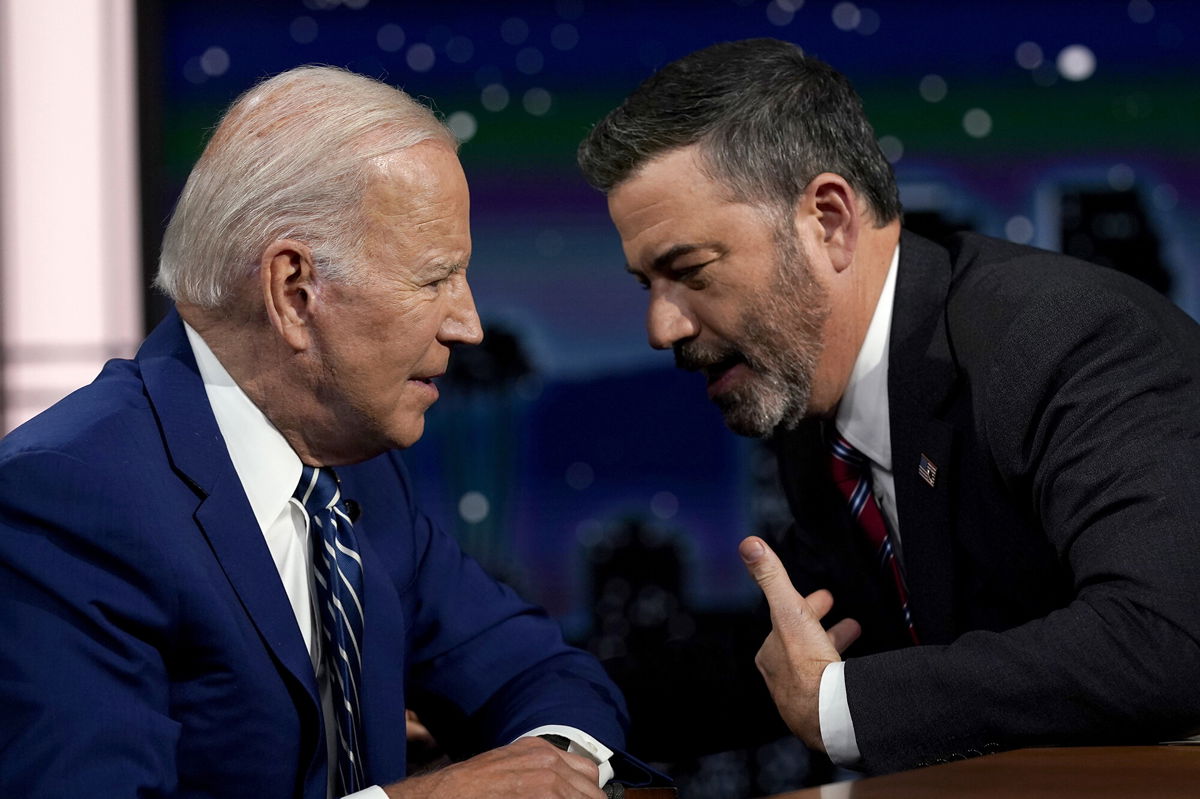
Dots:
pixel 1161 772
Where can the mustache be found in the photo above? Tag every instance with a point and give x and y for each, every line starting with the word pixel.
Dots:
pixel 692 356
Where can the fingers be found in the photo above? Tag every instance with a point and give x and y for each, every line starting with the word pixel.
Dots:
pixel 844 633
pixel 820 601
pixel 764 566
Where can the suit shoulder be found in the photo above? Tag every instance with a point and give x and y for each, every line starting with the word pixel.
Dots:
pixel 99 421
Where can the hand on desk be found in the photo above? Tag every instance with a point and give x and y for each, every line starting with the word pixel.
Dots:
pixel 798 649
pixel 530 768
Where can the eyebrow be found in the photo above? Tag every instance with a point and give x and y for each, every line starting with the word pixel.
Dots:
pixel 665 259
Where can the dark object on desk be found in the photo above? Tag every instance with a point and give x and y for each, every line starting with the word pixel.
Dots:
pixel 616 790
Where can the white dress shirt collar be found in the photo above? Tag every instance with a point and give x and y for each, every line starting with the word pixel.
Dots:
pixel 267 466
pixel 862 415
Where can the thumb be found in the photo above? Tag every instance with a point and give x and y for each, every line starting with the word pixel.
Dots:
pixel 764 566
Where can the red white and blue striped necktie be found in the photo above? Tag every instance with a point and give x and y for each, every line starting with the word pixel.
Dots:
pixel 852 474
pixel 338 574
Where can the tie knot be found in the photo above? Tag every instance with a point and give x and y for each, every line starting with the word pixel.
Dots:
pixel 318 489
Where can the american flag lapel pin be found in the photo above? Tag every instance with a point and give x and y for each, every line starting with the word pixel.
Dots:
pixel 928 470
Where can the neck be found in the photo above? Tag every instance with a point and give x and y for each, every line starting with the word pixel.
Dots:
pixel 851 307
pixel 265 369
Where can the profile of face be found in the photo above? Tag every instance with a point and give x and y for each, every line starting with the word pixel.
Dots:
pixel 382 340
pixel 730 290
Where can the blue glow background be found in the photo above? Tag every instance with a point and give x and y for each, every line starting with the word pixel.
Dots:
pixel 604 428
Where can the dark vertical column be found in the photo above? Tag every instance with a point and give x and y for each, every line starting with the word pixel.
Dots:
pixel 150 101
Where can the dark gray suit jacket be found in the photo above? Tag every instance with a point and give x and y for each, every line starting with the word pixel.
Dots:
pixel 1053 565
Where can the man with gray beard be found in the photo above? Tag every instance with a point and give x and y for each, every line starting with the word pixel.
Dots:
pixel 989 450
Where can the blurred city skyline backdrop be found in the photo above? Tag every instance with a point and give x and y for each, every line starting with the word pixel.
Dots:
pixel 1067 125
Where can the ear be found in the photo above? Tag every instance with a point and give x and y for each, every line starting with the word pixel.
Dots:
pixel 831 203
pixel 288 278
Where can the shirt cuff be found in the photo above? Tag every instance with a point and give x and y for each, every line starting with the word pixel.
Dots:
pixel 374 792
pixel 837 728
pixel 581 744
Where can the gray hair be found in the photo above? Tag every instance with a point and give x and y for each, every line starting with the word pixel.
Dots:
pixel 767 119
pixel 290 159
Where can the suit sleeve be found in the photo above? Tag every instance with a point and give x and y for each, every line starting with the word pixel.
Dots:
pixel 82 680
pixel 487 666
pixel 1093 421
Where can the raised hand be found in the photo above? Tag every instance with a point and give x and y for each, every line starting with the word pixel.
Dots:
pixel 794 655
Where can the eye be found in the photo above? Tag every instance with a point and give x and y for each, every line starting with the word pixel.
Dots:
pixel 692 276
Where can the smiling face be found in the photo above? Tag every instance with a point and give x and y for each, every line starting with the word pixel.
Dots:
pixel 379 342
pixel 730 290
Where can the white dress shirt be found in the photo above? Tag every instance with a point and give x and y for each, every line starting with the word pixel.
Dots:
pixel 269 471
pixel 863 420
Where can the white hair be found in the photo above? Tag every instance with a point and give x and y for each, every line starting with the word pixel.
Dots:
pixel 290 159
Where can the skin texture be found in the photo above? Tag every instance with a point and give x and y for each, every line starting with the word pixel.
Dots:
pixel 798 648
pixel 345 370
pixel 527 767
pixel 768 302
pixel 773 305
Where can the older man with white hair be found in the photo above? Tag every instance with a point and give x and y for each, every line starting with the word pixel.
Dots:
pixel 193 602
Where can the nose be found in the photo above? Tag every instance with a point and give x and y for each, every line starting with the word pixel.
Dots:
pixel 669 320
pixel 461 324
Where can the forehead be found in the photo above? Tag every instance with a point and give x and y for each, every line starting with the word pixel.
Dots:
pixel 671 202
pixel 416 188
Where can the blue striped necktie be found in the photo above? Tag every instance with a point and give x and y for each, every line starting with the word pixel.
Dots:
pixel 337 570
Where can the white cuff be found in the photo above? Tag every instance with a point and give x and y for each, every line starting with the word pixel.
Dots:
pixel 581 744
pixel 837 728
pixel 374 792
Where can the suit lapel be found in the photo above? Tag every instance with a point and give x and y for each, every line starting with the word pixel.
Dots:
pixel 921 381
pixel 197 450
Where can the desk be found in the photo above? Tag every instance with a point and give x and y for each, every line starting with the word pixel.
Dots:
pixel 1137 772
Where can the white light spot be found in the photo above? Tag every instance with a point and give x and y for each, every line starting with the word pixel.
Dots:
pixel 1121 177
pixel 463 125
pixel 1076 62
pixel 459 49
pixel 664 505
pixel 780 13
pixel 549 243
pixel 420 57
pixel 1165 197
pixel 868 23
pixel 846 16
pixel 473 507
pixel 1141 11
pixel 579 475
pixel 932 88
pixel 892 148
pixel 355 4
pixel 564 36
pixel 214 62
pixel 537 101
pixel 530 61
pixel 494 97
pixel 1019 229
pixel 977 123
pixel 390 38
pixel 514 31
pixel 1029 55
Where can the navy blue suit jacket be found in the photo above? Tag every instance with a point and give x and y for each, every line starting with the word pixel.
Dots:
pixel 149 649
